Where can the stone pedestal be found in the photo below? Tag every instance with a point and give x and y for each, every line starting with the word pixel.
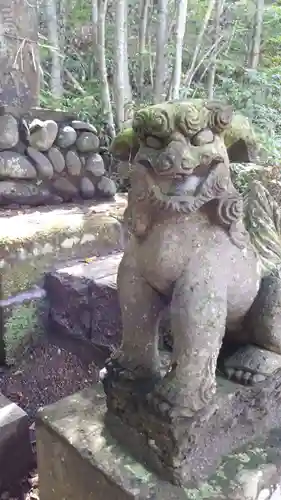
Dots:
pixel 187 449
pixel 16 456
pixel 78 459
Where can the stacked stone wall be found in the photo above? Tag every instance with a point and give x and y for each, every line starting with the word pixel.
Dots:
pixel 50 161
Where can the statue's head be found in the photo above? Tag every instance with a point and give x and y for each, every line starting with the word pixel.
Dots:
pixel 183 141
pixel 181 144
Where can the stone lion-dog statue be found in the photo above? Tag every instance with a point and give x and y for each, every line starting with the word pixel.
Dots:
pixel 189 248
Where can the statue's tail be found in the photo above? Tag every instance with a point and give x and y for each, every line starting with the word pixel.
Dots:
pixel 263 222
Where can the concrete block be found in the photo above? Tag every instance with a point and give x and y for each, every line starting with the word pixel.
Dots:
pixel 16 456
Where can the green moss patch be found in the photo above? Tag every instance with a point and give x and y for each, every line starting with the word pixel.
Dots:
pixel 22 324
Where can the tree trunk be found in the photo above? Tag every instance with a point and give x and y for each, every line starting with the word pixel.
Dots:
pixel 95 21
pixel 180 32
pixel 216 34
pixel 101 60
pixel 190 73
pixel 19 55
pixel 120 61
pixel 257 32
pixel 160 63
pixel 57 59
pixel 142 43
pixel 128 88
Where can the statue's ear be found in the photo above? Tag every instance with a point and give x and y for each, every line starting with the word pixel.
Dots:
pixel 125 145
pixel 241 152
pixel 241 141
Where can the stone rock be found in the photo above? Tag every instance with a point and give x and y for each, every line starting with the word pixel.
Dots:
pixel 84 303
pixel 21 147
pixel 87 142
pixel 9 134
pixel 66 137
pixel 15 166
pixel 42 134
pixel 16 456
pixel 87 188
pixel 43 165
pixel 95 165
pixel 24 193
pixel 73 163
pixel 107 186
pixel 15 190
pixel 57 159
pixel 65 188
pixel 84 126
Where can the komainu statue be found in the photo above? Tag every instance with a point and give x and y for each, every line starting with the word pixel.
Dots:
pixel 189 248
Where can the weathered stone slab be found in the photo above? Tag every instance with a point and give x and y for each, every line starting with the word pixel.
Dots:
pixel 36 240
pixel 15 448
pixel 83 300
pixel 21 323
pixel 78 458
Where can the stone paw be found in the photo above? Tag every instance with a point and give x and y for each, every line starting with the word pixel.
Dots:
pixel 172 400
pixel 128 368
pixel 244 377
pixel 251 365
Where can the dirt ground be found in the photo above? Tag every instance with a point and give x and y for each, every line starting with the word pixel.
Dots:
pixel 45 374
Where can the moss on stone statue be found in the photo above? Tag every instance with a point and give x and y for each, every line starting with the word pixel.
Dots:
pixel 126 143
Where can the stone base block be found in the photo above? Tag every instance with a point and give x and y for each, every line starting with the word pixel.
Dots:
pixel 38 240
pixel 21 321
pixel 16 456
pixel 189 448
pixel 78 459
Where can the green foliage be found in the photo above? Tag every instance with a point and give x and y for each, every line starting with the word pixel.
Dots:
pixel 257 94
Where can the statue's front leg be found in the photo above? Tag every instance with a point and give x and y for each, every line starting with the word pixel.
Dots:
pixel 198 317
pixel 138 356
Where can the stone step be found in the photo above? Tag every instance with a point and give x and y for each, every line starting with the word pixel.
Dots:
pixel 35 241
pixel 83 302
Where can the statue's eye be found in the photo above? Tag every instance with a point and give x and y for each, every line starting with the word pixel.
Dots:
pixel 205 136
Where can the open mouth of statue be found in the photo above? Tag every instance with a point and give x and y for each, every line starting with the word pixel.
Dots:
pixel 185 185
pixel 189 184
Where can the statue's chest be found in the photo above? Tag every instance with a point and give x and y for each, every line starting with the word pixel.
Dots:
pixel 169 248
